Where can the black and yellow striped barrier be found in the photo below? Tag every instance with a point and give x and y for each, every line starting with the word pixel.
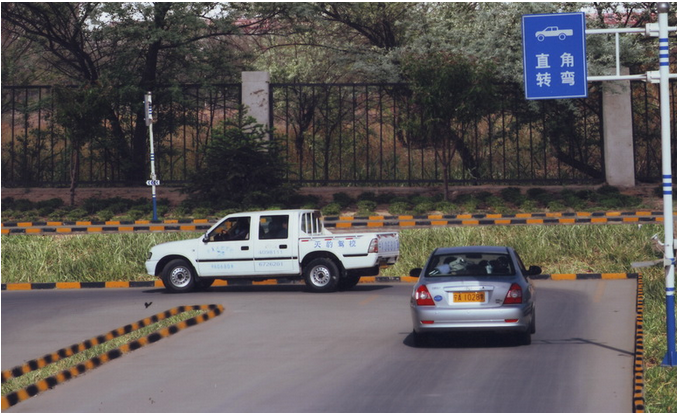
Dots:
pixel 224 283
pixel 638 366
pixel 343 222
pixel 103 227
pixel 413 221
pixel 11 399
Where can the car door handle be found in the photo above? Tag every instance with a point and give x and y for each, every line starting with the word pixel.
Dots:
pixel 245 248
pixel 283 246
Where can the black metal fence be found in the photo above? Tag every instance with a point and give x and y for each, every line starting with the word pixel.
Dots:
pixel 338 134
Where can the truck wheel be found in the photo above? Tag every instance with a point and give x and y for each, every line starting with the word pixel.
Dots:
pixel 203 283
pixel 321 275
pixel 348 282
pixel 178 276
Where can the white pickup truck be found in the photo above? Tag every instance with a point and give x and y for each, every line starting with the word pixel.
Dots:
pixel 273 244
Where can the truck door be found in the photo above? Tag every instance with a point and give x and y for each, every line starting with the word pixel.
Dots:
pixel 275 252
pixel 228 250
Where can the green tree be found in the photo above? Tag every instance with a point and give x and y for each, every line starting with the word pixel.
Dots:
pixel 242 167
pixel 80 113
pixel 133 48
pixel 450 93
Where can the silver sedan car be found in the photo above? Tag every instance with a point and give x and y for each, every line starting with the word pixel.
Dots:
pixel 474 289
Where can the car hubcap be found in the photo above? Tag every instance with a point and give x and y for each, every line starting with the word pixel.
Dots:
pixel 320 276
pixel 180 277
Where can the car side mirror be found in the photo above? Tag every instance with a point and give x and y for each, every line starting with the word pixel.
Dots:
pixel 205 237
pixel 534 270
pixel 415 272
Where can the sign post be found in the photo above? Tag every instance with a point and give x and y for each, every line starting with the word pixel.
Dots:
pixel 664 69
pixel 555 65
pixel 153 182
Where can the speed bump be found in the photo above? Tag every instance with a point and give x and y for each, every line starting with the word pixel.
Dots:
pixel 11 399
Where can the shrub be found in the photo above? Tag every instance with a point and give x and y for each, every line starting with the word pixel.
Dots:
pixel 446 207
pixel 77 213
pixel 343 199
pixel 424 207
pixel 367 196
pixel 332 209
pixel 608 190
pixel 105 214
pixel 240 161
pixel 512 195
pixel 398 208
pixel 366 207
pixel 384 198
pixel 556 206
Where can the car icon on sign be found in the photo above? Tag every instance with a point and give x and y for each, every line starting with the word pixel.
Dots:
pixel 554 31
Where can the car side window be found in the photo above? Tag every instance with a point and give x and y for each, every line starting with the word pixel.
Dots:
pixel 274 227
pixel 232 229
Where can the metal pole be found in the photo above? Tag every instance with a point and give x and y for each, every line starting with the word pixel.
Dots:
pixel 671 356
pixel 149 122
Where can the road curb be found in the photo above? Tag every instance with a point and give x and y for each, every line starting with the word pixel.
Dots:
pixel 223 283
pixel 341 222
pixel 638 366
pixel 11 399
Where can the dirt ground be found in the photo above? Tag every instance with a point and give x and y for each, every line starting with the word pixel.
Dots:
pixel 175 196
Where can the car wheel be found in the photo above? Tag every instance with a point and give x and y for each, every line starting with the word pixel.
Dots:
pixel 524 338
pixel 420 339
pixel 532 325
pixel 321 275
pixel 178 276
pixel 346 283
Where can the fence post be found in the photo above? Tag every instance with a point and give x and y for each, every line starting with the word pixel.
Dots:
pixel 619 157
pixel 255 96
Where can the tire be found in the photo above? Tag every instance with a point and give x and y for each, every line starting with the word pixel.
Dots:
pixel 179 276
pixel 203 283
pixel 524 338
pixel 420 339
pixel 321 275
pixel 532 325
pixel 348 282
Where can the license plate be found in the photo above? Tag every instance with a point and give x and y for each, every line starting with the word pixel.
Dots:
pixel 469 297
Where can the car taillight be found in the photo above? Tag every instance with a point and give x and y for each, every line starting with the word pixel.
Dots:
pixel 373 246
pixel 423 297
pixel 514 295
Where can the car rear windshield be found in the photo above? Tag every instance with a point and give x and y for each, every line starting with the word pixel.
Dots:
pixel 476 264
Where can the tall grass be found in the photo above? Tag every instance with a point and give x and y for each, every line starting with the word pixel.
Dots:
pixel 558 249
pixel 83 258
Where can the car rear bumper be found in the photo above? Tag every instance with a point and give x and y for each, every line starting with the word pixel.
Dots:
pixel 431 319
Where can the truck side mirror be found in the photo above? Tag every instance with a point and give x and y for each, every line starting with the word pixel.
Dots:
pixel 415 272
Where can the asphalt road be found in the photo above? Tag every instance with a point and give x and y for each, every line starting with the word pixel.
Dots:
pixel 281 349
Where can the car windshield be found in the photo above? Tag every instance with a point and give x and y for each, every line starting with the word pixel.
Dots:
pixel 475 264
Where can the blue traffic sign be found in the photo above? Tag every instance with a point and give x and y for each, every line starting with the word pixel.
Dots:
pixel 555 65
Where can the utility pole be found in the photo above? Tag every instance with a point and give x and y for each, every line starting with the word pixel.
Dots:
pixel 153 182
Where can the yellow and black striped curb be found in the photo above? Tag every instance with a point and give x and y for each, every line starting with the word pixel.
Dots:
pixel 342 222
pixel 413 221
pixel 97 227
pixel 11 399
pixel 223 283
pixel 638 366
